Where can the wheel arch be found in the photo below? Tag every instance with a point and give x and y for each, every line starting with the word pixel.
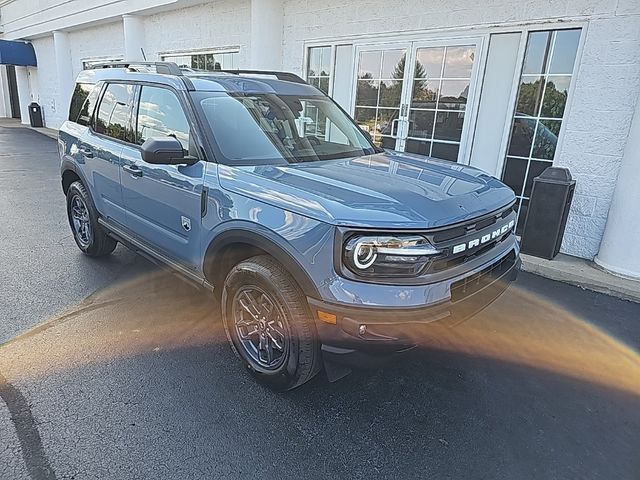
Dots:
pixel 70 173
pixel 236 244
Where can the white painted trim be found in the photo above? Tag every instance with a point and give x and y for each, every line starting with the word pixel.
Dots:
pixel 515 86
pixel 332 69
pixel 572 87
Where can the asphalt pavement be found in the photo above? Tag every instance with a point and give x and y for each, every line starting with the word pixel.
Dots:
pixel 114 370
pixel 45 275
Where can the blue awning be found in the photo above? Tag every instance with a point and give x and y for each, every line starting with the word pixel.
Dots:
pixel 18 53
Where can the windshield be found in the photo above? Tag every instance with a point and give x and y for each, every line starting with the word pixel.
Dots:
pixel 260 129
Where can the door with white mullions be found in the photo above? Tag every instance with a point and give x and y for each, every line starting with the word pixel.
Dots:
pixel 417 97
pixel 443 78
pixel 380 91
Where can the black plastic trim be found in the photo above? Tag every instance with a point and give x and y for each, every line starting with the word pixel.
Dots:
pixel 263 240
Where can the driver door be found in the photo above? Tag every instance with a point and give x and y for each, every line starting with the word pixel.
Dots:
pixel 163 202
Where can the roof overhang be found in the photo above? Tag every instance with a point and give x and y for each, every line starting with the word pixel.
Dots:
pixel 13 52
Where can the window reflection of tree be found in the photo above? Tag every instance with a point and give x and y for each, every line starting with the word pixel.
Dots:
pixel 530 98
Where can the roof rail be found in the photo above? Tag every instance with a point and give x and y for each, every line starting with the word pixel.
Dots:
pixel 286 76
pixel 167 68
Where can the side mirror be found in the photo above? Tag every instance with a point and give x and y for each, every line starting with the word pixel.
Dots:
pixel 165 151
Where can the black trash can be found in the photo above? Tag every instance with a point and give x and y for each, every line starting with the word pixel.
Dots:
pixel 547 214
pixel 35 115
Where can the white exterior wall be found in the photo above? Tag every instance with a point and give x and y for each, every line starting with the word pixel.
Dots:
pixel 606 82
pixel 94 43
pixel 43 81
pixel 220 24
pixel 605 85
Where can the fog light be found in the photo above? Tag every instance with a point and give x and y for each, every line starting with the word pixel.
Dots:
pixel 362 330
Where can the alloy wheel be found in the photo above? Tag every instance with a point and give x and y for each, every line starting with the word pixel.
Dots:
pixel 81 221
pixel 261 327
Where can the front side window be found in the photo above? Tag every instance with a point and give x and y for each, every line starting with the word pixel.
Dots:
pixel 262 129
pixel 114 113
pixel 160 114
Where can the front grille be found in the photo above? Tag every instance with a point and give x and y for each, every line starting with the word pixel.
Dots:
pixel 473 283
pixel 446 239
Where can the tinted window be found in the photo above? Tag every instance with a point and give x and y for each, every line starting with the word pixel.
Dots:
pixel 161 115
pixel 83 102
pixel 114 112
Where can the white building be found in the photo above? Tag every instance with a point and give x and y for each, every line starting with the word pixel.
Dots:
pixel 508 86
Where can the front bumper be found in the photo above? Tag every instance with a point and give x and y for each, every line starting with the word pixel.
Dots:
pixel 365 337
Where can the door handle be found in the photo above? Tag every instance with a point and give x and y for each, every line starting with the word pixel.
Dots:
pixel 133 170
pixel 394 127
pixel 87 152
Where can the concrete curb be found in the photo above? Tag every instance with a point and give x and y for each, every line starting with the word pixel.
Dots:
pixel 584 274
pixel 15 123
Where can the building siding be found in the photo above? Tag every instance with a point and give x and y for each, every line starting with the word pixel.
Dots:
pixel 220 24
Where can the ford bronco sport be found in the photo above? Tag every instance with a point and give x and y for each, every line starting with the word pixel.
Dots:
pixel 323 248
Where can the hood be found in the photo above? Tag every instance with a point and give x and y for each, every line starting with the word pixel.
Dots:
pixel 388 190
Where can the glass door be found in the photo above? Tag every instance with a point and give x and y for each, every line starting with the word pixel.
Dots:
pixel 441 81
pixel 414 97
pixel 380 91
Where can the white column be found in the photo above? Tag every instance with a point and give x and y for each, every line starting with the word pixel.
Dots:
pixel 24 93
pixel 620 247
pixel 64 70
pixel 5 106
pixel 266 34
pixel 133 37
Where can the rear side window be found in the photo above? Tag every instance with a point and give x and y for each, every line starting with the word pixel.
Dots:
pixel 83 102
pixel 114 113
pixel 161 115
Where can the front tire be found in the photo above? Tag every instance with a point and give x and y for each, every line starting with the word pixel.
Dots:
pixel 267 321
pixel 83 219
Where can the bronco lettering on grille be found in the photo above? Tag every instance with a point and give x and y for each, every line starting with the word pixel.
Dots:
pixel 476 242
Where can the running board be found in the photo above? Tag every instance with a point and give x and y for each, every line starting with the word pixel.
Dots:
pixel 153 256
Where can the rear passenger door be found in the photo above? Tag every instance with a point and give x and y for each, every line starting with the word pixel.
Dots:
pixel 163 202
pixel 101 145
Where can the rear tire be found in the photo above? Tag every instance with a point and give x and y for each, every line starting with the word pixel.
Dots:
pixel 83 219
pixel 268 323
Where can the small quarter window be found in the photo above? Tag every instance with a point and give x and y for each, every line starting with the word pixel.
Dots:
pixel 83 102
pixel 114 114
pixel 161 115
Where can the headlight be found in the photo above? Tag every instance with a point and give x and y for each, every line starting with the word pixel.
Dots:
pixel 388 255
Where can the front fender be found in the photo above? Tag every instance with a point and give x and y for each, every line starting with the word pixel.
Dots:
pixel 279 247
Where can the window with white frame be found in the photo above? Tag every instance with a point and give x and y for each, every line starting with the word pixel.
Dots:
pixel 542 97
pixel 319 67
pixel 214 60
pixel 318 75
pixel 89 63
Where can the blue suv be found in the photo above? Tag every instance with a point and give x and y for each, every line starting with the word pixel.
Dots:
pixel 323 249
